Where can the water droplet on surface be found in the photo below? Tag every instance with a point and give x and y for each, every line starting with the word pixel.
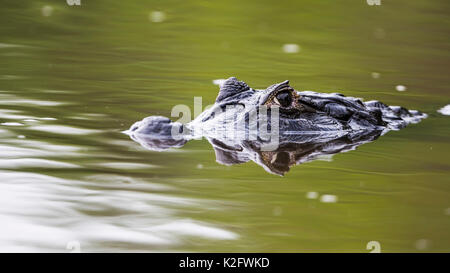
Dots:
pixel 422 244
pixel 199 166
pixel 375 75
pixel 379 33
pixel 328 198
pixel 47 11
pixel 157 16
pixel 312 195
pixel 277 211
pixel 291 48
pixel 400 88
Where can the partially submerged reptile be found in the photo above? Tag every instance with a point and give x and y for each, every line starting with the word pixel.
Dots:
pixel 309 125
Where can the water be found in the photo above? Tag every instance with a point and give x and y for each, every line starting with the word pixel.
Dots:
pixel 72 78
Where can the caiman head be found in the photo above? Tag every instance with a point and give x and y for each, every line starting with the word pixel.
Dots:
pixel 298 111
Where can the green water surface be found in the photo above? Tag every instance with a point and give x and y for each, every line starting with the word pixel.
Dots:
pixel 72 78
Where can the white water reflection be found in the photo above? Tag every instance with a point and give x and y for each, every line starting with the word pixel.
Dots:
pixel 25 148
pixel 43 213
pixel 63 129
pixel 126 165
pixel 19 101
pixel 12 114
pixel 5 133
pixel 11 124
pixel 6 45
pixel 6 98
pixel 34 163
pixel 22 152
pixel 445 110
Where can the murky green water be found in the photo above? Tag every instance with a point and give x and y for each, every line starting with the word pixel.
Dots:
pixel 73 77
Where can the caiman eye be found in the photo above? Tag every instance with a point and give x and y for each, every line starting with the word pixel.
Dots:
pixel 284 99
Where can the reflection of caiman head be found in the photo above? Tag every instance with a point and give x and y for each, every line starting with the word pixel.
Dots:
pixel 292 150
pixel 310 125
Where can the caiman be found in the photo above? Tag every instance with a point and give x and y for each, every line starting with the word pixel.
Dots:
pixel 306 126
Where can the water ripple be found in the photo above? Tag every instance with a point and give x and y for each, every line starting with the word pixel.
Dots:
pixel 44 213
pixel 63 129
